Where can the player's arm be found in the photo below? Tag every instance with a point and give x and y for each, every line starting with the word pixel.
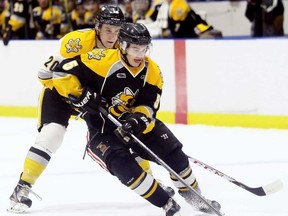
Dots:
pixel 203 29
pixel 148 100
pixel 71 78
pixel 45 73
pixel 142 118
pixel 66 77
pixel 63 51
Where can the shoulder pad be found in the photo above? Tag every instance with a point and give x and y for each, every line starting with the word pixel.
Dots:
pixel 77 42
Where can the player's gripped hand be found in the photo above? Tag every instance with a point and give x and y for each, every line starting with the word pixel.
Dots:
pixel 135 123
pixel 89 101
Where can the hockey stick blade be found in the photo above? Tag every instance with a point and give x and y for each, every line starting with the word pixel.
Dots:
pixel 259 191
pixel 273 187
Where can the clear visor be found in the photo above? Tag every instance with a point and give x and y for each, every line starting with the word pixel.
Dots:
pixel 138 50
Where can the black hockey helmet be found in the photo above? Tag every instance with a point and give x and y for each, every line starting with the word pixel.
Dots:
pixel 109 14
pixel 135 33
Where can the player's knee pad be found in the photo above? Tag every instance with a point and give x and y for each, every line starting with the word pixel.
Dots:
pixel 50 137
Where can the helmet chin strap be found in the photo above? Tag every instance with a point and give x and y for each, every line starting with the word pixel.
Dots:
pixel 124 57
pixel 123 46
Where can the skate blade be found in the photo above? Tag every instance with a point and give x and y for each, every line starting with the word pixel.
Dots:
pixel 199 213
pixel 17 207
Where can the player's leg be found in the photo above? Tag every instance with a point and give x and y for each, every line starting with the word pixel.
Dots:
pixel 189 177
pixel 53 117
pixel 145 165
pixel 116 158
pixel 169 149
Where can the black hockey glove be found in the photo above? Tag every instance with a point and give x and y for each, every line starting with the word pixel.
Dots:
pixel 89 101
pixel 134 124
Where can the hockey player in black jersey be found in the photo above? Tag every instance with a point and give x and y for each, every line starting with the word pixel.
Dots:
pixel 20 24
pixel 54 111
pixel 172 19
pixel 128 84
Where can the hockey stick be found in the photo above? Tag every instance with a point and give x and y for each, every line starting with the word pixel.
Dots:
pixel 259 191
pixel 161 162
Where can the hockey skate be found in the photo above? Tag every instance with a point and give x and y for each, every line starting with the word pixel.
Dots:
pixel 19 200
pixel 171 208
pixel 170 191
pixel 197 203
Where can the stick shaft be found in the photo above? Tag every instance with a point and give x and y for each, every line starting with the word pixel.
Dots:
pixel 259 191
pixel 160 161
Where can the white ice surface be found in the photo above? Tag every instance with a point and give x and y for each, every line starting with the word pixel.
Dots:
pixel 72 186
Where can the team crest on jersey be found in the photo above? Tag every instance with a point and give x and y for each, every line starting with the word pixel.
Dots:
pixel 96 54
pixel 122 102
pixel 73 45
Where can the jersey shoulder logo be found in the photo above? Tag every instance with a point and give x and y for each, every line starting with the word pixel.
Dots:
pixel 73 45
pixel 96 54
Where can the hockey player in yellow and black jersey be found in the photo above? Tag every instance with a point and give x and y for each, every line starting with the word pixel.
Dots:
pixel 20 24
pixel 184 22
pixel 4 16
pixel 80 17
pixel 128 84
pixel 176 19
pixel 145 10
pixel 47 19
pixel 54 111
